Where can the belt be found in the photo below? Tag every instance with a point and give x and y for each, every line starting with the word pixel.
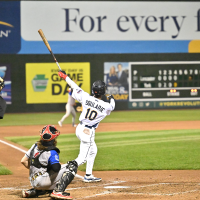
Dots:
pixel 94 126
pixel 36 175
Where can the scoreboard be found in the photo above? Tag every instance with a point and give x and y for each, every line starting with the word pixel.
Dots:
pixel 164 81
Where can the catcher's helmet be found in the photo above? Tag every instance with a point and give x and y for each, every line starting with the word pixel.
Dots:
pixel 98 88
pixel 49 133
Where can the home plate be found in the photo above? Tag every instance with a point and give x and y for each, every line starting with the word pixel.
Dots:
pixel 116 187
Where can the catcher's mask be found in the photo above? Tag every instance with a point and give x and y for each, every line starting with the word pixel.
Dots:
pixel 98 88
pixel 49 133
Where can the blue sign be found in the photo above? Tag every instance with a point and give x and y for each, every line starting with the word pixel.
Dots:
pixel 10 36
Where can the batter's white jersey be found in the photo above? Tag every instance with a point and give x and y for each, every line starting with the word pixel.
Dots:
pixel 94 110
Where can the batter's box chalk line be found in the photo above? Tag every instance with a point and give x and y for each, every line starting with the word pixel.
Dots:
pixel 99 185
pixel 95 195
pixel 143 186
pixel 161 194
pixel 116 187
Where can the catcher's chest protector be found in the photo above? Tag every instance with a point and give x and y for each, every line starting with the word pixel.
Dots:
pixel 34 159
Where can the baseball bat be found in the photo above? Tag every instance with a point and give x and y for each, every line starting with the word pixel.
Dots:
pixel 48 47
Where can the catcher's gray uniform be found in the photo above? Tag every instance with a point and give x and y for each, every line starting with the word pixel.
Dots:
pixel 46 173
pixel 42 178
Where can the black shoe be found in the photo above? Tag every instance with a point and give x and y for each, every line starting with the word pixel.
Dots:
pixel 29 193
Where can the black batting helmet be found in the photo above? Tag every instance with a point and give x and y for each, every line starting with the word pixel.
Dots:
pixel 98 88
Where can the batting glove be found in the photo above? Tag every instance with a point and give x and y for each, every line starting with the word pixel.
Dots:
pixel 62 74
pixel 110 97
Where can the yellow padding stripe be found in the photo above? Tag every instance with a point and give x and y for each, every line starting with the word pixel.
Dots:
pixel 194 46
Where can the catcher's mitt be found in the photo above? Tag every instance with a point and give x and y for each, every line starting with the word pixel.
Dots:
pixel 1 84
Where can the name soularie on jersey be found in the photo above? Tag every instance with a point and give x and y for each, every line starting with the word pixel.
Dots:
pixel 92 104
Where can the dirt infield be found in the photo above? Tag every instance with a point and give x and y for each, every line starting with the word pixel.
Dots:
pixel 141 185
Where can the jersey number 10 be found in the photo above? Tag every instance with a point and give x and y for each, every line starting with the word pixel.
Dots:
pixel 91 115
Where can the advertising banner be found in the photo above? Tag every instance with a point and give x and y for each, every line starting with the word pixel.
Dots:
pixel 43 85
pixel 104 21
pixel 110 27
pixel 10 35
pixel 87 27
pixel 116 79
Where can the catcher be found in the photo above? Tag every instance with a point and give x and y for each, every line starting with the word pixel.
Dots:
pixel 2 101
pixel 46 174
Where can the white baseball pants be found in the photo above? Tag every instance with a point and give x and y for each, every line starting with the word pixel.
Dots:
pixel 88 147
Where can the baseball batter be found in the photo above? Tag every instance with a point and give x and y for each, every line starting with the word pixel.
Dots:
pixel 69 109
pixel 46 174
pixel 94 110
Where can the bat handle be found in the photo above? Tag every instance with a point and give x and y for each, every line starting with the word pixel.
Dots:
pixel 58 66
pixel 56 61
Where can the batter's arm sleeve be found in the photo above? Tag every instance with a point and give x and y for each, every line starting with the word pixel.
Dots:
pixel 112 103
pixel 71 83
pixel 77 91
pixel 111 106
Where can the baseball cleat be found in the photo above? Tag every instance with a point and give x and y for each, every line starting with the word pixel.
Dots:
pixel 61 195
pixel 60 123
pixel 74 125
pixel 91 179
pixel 29 193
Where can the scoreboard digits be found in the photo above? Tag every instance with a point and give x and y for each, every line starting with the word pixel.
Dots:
pixel 163 81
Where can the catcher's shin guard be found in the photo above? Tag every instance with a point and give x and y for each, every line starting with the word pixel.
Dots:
pixel 67 176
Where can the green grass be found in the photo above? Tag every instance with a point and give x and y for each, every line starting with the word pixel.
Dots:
pixel 116 116
pixel 22 119
pixel 4 170
pixel 138 150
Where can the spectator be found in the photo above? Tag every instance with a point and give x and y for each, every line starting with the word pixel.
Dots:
pixel 122 77
pixel 112 79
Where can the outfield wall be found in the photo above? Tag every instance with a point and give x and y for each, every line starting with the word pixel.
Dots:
pixel 17 64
